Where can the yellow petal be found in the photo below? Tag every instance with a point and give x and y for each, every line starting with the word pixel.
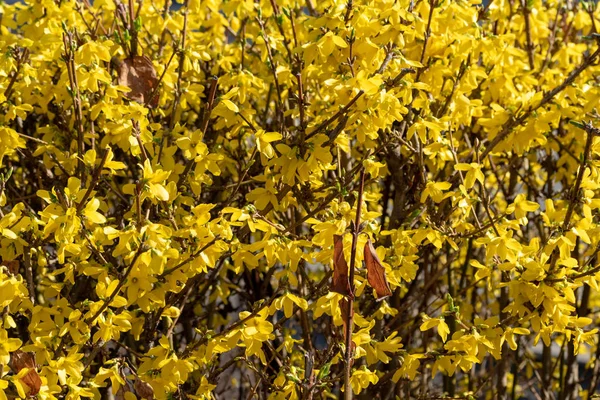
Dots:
pixel 159 192
pixel 230 106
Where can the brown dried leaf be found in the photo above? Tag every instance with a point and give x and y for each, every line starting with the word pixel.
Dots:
pixel 376 272
pixel 19 360
pixel 120 395
pixel 13 266
pixel 125 391
pixel 340 282
pixel 143 389
pixel 139 75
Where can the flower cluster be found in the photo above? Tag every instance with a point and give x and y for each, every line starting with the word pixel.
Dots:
pixel 180 184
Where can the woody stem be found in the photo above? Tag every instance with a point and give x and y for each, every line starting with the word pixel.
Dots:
pixel 349 317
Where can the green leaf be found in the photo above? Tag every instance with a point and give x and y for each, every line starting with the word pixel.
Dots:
pixel 137 24
pixel 324 371
pixel 578 124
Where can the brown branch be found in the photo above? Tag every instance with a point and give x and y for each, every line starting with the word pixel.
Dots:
pixel 193 346
pixel 463 68
pixel 279 20
pixel 142 247
pixel 336 116
pixel 163 35
pixel 432 5
pixel 239 182
pixel 348 15
pixel 93 182
pixel 403 72
pixel 132 31
pixel 349 317
pixel 389 56
pixel 138 137
pixel 591 133
pixel 187 295
pixel 181 51
pixel 20 55
pixel 205 119
pixel 69 58
pixel 155 91
pixel 273 69
pixel 514 122
pixel 530 46
pixel 189 259
pixel 301 105
pixel 574 193
pixel 29 274
pixel 551 42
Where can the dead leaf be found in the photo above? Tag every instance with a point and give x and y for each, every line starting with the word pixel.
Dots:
pixel 139 75
pixel 13 266
pixel 376 272
pixel 143 389
pixel 340 282
pixel 19 360
pixel 120 395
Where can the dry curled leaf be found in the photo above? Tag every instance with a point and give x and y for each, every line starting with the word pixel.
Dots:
pixel 143 389
pixel 376 272
pixel 13 266
pixel 120 395
pixel 139 75
pixel 19 360
pixel 340 282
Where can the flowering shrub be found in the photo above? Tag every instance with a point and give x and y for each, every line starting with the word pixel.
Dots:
pixel 295 200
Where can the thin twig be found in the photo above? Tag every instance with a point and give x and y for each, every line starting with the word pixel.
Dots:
pixel 273 68
pixel 94 181
pixel 69 58
pixel 205 119
pixel 530 47
pixel 181 51
pixel 337 115
pixel 142 247
pixel 190 258
pixel 514 122
pixel 155 91
pixel 349 317
pixel 193 346
pixel 29 274
pixel 574 193
pixel 21 57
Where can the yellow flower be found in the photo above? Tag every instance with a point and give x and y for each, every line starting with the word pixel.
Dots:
pixel 154 181
pixel 362 378
pixel 7 345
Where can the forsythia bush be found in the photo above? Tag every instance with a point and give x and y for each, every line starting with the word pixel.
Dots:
pixel 278 199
